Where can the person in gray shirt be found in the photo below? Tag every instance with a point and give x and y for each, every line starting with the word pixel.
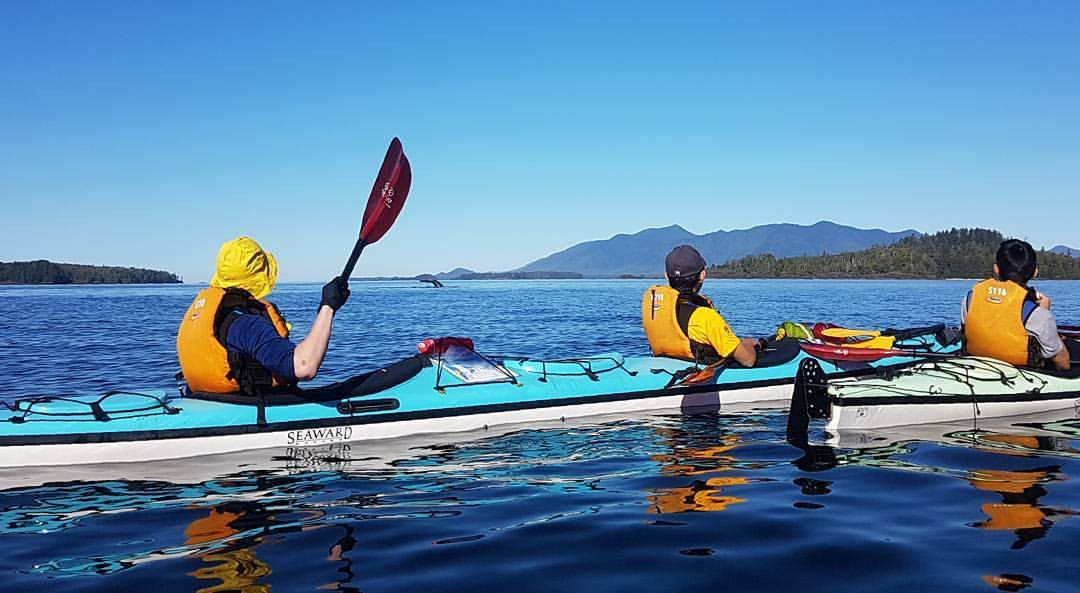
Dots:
pixel 1005 318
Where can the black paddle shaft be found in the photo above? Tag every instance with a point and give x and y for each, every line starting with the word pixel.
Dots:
pixel 904 334
pixel 349 265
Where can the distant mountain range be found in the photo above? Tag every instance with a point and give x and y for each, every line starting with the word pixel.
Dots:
pixel 1064 250
pixel 643 253
pixel 455 274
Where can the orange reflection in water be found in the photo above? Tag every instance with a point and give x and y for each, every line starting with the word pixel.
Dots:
pixel 1008 582
pixel 237 569
pixel 214 527
pixel 687 461
pixel 233 561
pixel 1022 445
pixel 1019 510
pixel 700 495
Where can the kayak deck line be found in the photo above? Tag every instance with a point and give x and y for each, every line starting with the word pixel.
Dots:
pixel 964 388
pixel 878 400
pixel 21 409
pixel 407 398
pixel 305 434
pixel 350 419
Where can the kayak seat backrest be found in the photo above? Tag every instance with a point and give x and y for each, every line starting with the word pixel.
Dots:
pixel 365 384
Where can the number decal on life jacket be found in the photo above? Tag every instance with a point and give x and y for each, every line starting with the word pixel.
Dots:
pixel 996 294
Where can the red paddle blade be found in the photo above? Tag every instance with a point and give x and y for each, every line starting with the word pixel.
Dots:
pixel 387 195
pixel 839 353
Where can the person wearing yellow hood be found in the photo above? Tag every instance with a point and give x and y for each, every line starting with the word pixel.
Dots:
pixel 233 340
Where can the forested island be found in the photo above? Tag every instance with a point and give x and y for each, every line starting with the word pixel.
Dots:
pixel 47 272
pixel 956 253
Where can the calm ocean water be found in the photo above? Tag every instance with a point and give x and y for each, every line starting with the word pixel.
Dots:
pixel 660 502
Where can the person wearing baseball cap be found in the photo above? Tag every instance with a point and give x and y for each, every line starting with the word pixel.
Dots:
pixel 682 323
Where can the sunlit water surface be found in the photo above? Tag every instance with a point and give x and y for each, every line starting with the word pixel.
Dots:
pixel 658 502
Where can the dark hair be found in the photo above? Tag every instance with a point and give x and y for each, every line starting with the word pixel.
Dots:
pixel 1016 261
pixel 684 283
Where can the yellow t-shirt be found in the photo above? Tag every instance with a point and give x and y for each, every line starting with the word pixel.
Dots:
pixel 709 327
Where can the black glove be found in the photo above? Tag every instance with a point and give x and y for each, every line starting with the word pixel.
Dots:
pixel 335 293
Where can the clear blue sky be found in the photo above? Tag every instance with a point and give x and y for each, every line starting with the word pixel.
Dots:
pixel 146 133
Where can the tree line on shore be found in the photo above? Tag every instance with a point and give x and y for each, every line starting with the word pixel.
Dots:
pixel 47 272
pixel 955 253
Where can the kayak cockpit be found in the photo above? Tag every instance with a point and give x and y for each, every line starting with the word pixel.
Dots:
pixel 364 384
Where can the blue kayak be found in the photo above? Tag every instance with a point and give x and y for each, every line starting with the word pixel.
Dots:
pixel 451 390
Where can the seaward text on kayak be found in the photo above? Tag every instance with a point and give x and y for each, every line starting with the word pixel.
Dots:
pixel 316 436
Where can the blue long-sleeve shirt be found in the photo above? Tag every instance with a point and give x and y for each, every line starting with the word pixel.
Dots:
pixel 255 336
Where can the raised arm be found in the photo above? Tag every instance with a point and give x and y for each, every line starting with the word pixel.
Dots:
pixel 309 353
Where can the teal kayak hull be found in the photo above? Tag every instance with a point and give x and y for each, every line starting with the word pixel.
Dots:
pixel 423 397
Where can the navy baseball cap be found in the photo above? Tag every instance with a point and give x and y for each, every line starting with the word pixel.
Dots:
pixel 684 261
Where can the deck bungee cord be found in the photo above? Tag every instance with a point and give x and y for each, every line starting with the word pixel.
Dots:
pixel 937 389
pixel 960 370
pixel 452 388
pixel 24 407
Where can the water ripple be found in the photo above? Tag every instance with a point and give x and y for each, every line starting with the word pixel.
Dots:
pixel 669 502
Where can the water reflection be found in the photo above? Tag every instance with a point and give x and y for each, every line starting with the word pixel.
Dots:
pixel 697 447
pixel 699 495
pixel 232 533
pixel 1019 510
pixel 298 520
pixel 237 570
pixel 1008 582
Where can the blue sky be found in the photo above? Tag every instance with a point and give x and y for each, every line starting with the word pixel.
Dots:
pixel 146 133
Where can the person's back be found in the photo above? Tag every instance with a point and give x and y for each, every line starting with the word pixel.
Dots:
pixel 215 353
pixel 1004 318
pixel 232 340
pixel 681 323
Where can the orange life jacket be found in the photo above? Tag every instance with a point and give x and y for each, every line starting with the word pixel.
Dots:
pixel 206 364
pixel 994 323
pixel 665 315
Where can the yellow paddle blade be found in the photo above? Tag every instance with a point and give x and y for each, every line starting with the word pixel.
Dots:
pixel 857 338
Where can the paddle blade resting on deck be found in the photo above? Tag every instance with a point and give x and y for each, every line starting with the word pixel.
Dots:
pixel 833 353
pixel 836 353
